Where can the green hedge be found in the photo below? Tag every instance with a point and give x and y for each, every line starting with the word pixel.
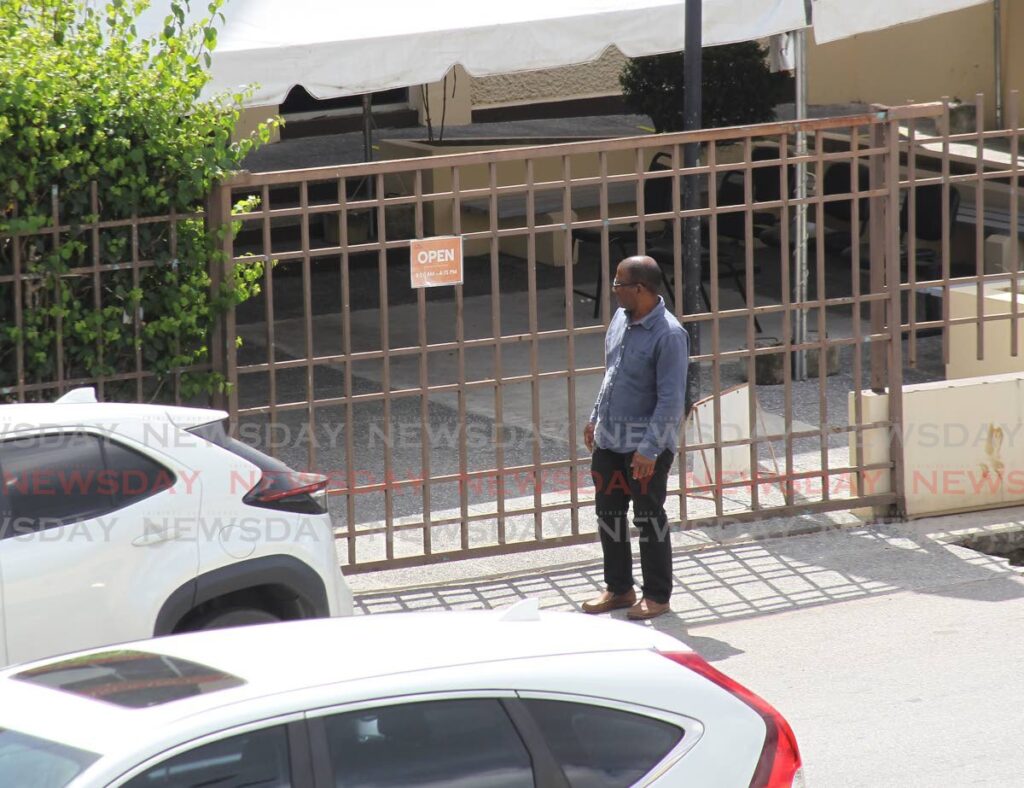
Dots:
pixel 83 100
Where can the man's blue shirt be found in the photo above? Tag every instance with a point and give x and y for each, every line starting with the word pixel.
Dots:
pixel 643 392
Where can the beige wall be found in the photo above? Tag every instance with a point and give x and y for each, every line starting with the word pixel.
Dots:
pixel 957 457
pixel 600 78
pixel 948 55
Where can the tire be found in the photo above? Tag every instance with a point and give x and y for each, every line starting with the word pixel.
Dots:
pixel 234 617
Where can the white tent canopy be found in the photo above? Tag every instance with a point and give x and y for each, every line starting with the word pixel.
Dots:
pixel 335 48
pixel 835 19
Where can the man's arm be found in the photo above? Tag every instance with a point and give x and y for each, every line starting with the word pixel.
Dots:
pixel 670 379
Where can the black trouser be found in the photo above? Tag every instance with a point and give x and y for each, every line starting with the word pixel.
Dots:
pixel 615 487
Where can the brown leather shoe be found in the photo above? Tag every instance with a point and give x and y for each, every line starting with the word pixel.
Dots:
pixel 609 601
pixel 647 608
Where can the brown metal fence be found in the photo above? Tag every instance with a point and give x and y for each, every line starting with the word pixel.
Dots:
pixel 449 420
pixel 74 291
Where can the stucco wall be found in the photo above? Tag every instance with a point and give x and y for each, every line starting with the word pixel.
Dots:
pixel 948 55
pixel 600 78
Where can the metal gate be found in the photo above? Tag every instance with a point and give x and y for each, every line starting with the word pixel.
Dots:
pixel 449 420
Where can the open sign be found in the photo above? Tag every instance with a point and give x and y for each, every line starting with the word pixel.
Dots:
pixel 435 261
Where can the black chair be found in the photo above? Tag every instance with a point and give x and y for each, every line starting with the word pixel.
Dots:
pixel 838 180
pixel 927 221
pixel 657 199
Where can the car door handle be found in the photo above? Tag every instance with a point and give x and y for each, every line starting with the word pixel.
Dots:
pixel 156 536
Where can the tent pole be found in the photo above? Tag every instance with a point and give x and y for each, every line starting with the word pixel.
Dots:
pixel 997 12
pixel 692 273
pixel 367 127
pixel 800 283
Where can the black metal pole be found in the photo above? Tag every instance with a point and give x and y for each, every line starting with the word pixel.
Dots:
pixel 691 189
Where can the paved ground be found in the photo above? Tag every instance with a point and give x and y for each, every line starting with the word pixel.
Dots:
pixel 894 653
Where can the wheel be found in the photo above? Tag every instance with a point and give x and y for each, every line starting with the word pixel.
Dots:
pixel 234 617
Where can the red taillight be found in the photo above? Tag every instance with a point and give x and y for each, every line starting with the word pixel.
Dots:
pixel 304 493
pixel 780 755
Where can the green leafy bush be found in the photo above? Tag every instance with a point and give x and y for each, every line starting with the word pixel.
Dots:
pixel 85 100
pixel 738 87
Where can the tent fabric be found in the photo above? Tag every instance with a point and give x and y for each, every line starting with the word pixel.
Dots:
pixel 836 19
pixel 335 48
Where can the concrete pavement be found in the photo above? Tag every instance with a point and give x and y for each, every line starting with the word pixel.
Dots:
pixel 895 653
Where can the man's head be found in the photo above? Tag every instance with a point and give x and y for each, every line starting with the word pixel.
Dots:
pixel 636 284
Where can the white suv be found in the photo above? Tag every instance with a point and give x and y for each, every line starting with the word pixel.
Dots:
pixel 122 521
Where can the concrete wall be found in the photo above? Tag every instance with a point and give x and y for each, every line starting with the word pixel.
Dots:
pixel 958 456
pixel 997 299
pixel 948 55
pixel 600 78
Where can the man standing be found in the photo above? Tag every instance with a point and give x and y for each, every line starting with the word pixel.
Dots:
pixel 633 435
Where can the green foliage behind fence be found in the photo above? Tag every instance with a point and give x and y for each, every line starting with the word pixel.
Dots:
pixel 99 125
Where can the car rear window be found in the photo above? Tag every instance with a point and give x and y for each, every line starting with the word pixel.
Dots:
pixel 215 433
pixel 598 747
pixel 132 679
pixel 41 763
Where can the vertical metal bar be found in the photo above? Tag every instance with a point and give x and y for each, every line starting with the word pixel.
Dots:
pixel 424 357
pixel 748 284
pixel 214 226
pixel 855 275
pixel 821 295
pixel 385 347
pixel 895 374
pixel 346 328
pixel 570 329
pixel 173 218
pixel 877 250
pixel 531 267
pixel 911 242
pixel 946 228
pixel 460 339
pixel 677 233
pixel 268 290
pixel 605 284
pixel 368 127
pixel 307 308
pixel 677 287
pixel 714 307
pixel 979 225
pixel 19 317
pixel 136 309
pixel 223 356
pixel 97 282
pixel 692 105
pixel 997 51
pixel 641 203
pixel 800 296
pixel 58 293
pixel 1014 207
pixel 499 368
pixel 787 322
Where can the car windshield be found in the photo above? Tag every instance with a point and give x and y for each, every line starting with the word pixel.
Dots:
pixel 29 760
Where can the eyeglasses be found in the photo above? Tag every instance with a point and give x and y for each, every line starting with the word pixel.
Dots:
pixel 616 284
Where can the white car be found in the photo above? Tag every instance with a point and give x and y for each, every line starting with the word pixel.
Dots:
pixel 122 522
pixel 483 699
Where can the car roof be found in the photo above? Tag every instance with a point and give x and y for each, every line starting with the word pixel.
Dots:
pixel 288 657
pixel 108 416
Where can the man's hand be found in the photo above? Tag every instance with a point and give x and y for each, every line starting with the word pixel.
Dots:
pixel 643 468
pixel 588 437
